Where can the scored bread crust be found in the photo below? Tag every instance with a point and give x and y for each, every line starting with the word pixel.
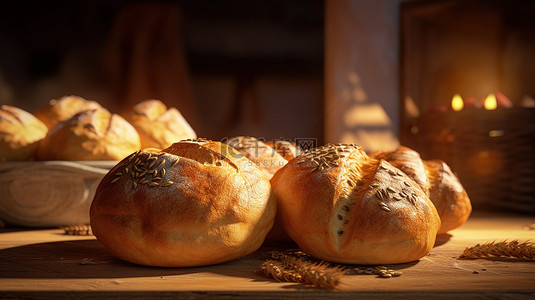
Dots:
pixel 286 149
pixel 438 182
pixel 63 108
pixel 20 133
pixel 195 203
pixel 90 135
pixel 159 126
pixel 340 205
pixel 408 161
pixel 262 155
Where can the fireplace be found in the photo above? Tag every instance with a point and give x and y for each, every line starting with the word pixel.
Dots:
pixel 467 88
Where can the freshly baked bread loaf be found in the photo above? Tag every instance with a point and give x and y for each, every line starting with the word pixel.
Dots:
pixel 340 205
pixel 262 155
pixel 408 161
pixel 286 149
pixel 63 108
pixel 448 195
pixel 90 135
pixel 159 126
pixel 195 203
pixel 20 132
pixel 438 182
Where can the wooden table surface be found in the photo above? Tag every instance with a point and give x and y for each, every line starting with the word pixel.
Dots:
pixel 45 263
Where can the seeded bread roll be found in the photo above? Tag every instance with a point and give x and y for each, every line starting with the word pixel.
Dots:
pixel 195 203
pixel 340 205
pixel 262 155
pixel 286 149
pixel 90 135
pixel 408 161
pixel 63 108
pixel 20 133
pixel 438 182
pixel 159 126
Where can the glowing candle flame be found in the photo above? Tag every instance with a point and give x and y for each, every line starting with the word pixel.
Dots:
pixel 457 103
pixel 490 102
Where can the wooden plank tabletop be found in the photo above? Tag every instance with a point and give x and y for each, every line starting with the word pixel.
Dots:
pixel 45 263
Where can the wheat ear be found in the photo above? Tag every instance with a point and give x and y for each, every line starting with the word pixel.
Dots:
pixel 525 250
pixel 78 229
pixel 317 274
pixel 290 268
pixel 279 272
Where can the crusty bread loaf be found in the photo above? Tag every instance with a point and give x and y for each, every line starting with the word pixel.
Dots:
pixel 195 203
pixel 408 161
pixel 448 195
pixel 262 155
pixel 158 126
pixel 340 205
pixel 63 108
pixel 20 132
pixel 438 182
pixel 286 149
pixel 90 135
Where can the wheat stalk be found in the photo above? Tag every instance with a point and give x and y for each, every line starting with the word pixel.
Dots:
pixel 525 250
pixel 279 272
pixel 77 229
pixel 290 268
pixel 317 274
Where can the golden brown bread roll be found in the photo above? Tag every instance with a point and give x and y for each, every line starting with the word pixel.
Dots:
pixel 438 182
pixel 63 108
pixel 265 157
pixel 448 195
pixel 195 203
pixel 340 205
pixel 286 149
pixel 20 132
pixel 90 135
pixel 159 126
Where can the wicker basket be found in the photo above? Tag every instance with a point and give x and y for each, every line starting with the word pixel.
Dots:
pixel 492 152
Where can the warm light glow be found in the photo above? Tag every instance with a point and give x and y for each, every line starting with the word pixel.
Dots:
pixel 369 115
pixel 457 103
pixel 490 102
pixel 411 108
pixel 496 133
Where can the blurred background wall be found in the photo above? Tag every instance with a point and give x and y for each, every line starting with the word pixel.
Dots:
pixel 361 73
pixel 291 69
